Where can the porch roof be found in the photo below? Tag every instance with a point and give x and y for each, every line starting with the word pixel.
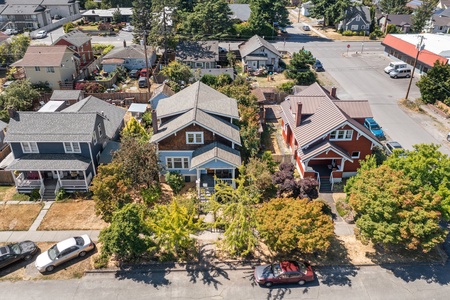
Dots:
pixel 310 153
pixel 215 151
pixel 50 162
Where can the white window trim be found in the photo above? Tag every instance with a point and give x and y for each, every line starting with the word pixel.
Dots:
pixel 184 160
pixel 50 70
pixel 94 137
pixel 72 148
pixel 194 133
pixel 30 146
pixel 345 134
pixel 354 156
pixel 99 128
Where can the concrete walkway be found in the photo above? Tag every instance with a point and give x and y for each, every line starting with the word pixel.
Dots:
pixel 42 236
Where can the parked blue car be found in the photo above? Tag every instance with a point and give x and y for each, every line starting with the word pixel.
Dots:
pixel 373 126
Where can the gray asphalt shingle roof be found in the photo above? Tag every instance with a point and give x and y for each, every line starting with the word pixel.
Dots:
pixel 51 127
pixel 254 43
pixel 215 151
pixel 113 115
pixel 58 162
pixel 66 94
pixel 75 37
pixel 132 51
pixel 197 51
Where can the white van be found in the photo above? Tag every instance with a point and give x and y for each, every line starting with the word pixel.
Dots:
pixel 394 65
pixel 400 73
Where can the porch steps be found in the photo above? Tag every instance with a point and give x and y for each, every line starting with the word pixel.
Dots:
pixel 325 185
pixel 49 193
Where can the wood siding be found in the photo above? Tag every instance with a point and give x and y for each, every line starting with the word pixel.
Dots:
pixel 177 141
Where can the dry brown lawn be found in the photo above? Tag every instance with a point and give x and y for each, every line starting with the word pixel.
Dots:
pixel 72 215
pixel 69 270
pixel 278 79
pixel 7 192
pixel 18 216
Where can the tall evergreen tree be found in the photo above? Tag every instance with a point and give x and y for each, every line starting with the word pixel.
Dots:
pixel 265 14
pixel 422 14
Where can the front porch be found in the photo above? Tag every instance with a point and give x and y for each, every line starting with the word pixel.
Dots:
pixel 206 182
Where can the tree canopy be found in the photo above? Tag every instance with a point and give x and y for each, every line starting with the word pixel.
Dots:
pixel 287 224
pixel 266 14
pixel 135 130
pixel 289 186
pixel 395 7
pixel 435 84
pixel 299 68
pixel 422 14
pixel 20 94
pixel 178 73
pixel 15 49
pixel 332 11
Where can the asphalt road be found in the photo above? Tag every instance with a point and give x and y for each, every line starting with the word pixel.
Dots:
pixel 344 283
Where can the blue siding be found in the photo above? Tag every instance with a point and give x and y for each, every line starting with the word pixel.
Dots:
pixel 164 154
pixel 50 148
pixel 217 165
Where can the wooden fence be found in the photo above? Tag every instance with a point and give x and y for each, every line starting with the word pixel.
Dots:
pixel 4 152
pixel 6 178
pixel 128 98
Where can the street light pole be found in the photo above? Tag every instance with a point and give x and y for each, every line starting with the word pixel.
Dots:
pixel 419 48
pixel 147 74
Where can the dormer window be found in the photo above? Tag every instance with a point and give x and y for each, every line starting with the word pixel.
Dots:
pixel 29 147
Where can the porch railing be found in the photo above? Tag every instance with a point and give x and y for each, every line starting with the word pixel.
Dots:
pixel 225 180
pixel 28 183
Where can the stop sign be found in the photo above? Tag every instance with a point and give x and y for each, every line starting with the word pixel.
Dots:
pixel 348 45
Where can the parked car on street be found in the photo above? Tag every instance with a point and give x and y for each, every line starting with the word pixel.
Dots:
pixel 63 251
pixel 128 28
pixel 41 34
pixel 373 126
pixel 284 272
pixel 15 252
pixel 391 146
pixel 318 67
pixel 134 73
pixel 400 73
pixel 306 28
pixel 143 82
pixel 11 31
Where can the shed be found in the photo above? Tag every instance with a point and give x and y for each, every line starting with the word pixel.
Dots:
pixel 137 109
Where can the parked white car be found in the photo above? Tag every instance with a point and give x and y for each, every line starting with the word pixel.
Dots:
pixel 11 31
pixel 41 34
pixel 63 251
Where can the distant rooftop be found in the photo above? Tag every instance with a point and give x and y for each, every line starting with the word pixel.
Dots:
pixel 436 43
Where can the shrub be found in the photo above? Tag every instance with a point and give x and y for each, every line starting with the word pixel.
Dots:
pixel 286 87
pixel 68 27
pixel 372 36
pixel 35 195
pixel 175 181
pixel 61 195
pixel 151 195
pixel 101 261
pixel 347 33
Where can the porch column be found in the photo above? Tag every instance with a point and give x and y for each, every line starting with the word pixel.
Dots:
pixel 85 180
pixel 59 179
pixel 233 171
pixel 342 165
pixel 40 178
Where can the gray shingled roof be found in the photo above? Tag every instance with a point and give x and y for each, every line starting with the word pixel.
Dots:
pixel 65 95
pixel 240 11
pixel 323 115
pixel 132 51
pixel 51 127
pixel 75 37
pixel 215 151
pixel 2 125
pixel 22 9
pixel 58 162
pixel 113 115
pixel 200 96
pixel 254 43
pixel 197 51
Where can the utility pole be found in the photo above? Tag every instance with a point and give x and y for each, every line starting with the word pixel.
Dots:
pixel 147 74
pixel 419 47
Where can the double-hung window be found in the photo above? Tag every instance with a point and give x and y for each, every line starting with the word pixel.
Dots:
pixel 72 147
pixel 177 162
pixel 50 70
pixel 194 137
pixel 29 147
pixel 344 135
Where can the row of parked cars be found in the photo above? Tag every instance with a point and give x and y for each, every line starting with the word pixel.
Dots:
pixel 397 69
pixel 373 126
pixel 59 253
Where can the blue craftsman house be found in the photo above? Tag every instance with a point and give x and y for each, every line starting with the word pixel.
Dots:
pixel 196 136
pixel 61 149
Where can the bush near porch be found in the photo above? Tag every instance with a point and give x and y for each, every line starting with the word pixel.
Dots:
pixel 72 215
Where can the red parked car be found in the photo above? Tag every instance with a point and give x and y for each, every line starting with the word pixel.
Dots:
pixel 284 272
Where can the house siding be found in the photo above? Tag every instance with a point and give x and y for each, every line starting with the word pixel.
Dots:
pixel 164 154
pixel 49 148
pixel 85 51
pixel 178 140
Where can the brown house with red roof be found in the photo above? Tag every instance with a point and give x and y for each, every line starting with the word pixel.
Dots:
pixel 326 135
pixel 80 43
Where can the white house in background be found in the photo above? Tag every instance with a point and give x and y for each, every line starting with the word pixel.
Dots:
pixel 257 52
pixel 304 11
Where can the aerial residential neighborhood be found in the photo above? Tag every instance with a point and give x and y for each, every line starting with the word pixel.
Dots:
pixel 224 149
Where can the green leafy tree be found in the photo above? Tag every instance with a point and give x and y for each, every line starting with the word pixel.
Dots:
pixel 286 87
pixel 164 23
pixel 175 180
pixel 13 50
pixel 299 68
pixel 235 211
pixel 435 84
pixel 178 73
pixel 128 235
pixel 110 190
pixel 147 121
pixel 139 161
pixel 68 27
pixel 266 14
pixel 258 173
pixel 287 224
pixel 231 58
pixel 332 11
pixel 142 18
pixel 173 227
pixel 391 213
pixel 117 16
pixel 20 95
pixel 135 130
pixel 210 19
pixel 90 5
pixel 395 7
pixel 422 14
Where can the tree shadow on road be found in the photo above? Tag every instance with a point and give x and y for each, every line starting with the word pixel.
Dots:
pixel 148 274
pixel 206 270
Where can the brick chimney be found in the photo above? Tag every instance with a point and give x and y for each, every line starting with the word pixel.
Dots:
pixel 333 92
pixel 11 111
pixel 154 121
pixel 298 116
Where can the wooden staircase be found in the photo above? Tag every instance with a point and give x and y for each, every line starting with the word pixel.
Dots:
pixel 325 185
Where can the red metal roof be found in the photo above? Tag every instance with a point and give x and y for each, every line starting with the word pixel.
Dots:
pixel 425 56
